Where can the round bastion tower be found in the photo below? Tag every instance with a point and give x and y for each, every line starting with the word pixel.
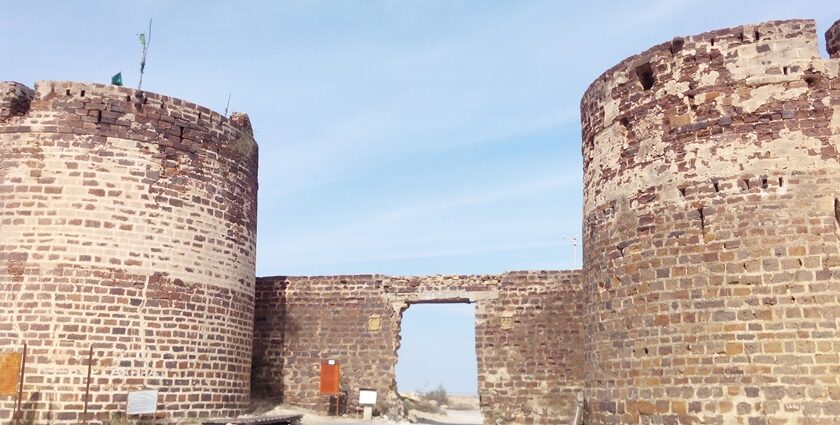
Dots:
pixel 127 224
pixel 711 231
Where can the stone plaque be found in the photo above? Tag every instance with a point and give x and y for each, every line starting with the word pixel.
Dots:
pixel 9 373
pixel 142 402
pixel 374 323
pixel 507 322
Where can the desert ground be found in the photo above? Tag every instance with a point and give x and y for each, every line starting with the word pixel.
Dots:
pixel 465 413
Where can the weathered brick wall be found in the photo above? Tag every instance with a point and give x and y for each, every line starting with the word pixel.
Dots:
pixel 531 373
pixel 527 374
pixel 832 40
pixel 14 99
pixel 127 223
pixel 711 232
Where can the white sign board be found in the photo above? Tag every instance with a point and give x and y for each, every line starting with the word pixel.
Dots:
pixel 142 402
pixel 367 397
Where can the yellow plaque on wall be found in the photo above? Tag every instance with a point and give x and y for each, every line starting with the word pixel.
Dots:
pixel 374 323
pixel 507 322
pixel 9 373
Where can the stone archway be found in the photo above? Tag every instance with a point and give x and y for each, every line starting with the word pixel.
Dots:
pixel 528 337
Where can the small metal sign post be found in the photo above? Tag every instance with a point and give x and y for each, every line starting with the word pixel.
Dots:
pixel 142 403
pixel 367 399
pixel 87 386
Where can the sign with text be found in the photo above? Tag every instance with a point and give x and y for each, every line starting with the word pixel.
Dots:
pixel 9 373
pixel 367 396
pixel 330 377
pixel 142 402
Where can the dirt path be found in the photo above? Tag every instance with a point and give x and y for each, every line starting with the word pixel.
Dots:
pixel 452 417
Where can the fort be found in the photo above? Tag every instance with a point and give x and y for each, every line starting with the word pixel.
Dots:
pixel 709 293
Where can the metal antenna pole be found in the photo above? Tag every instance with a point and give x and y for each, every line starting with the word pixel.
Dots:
pixel 573 241
pixel 146 41
pixel 227 105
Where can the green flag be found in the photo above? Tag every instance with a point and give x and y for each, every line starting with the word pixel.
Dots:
pixel 117 79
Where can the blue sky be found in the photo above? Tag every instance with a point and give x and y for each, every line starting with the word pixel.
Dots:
pixel 399 137
pixel 438 348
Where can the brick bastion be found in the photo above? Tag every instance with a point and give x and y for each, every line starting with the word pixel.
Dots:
pixel 711 222
pixel 127 224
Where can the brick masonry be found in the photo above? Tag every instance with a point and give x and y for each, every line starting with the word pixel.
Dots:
pixel 710 291
pixel 832 40
pixel 127 223
pixel 528 373
pixel 712 257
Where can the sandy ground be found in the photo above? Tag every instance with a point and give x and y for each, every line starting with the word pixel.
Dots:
pixel 452 417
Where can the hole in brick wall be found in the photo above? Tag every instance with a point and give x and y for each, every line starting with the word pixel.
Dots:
pixel 645 75
pixel 199 115
pixel 810 81
pixel 426 327
pixel 162 105
pixel 625 122
pixel 646 350
pixel 128 98
pixel 716 185
pixel 785 70
pixel 764 184
pixel 741 37
pixel 98 117
pixel 702 221
pixel 757 35
pixel 801 263
pixel 837 211
pixel 82 93
pixel 781 181
pixel 712 41
pixel 180 133
pixel 682 191
pixel 745 184
pixel 67 92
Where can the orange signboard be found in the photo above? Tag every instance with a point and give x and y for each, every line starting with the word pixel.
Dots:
pixel 330 377
pixel 9 373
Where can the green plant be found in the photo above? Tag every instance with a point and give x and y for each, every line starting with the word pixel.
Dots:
pixel 117 418
pixel 438 395
pixel 243 145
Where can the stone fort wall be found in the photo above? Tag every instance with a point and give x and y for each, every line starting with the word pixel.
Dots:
pixel 710 291
pixel 529 332
pixel 712 216
pixel 832 40
pixel 127 224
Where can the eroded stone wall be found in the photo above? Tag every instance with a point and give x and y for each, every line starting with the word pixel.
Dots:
pixel 832 40
pixel 712 257
pixel 528 337
pixel 127 224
